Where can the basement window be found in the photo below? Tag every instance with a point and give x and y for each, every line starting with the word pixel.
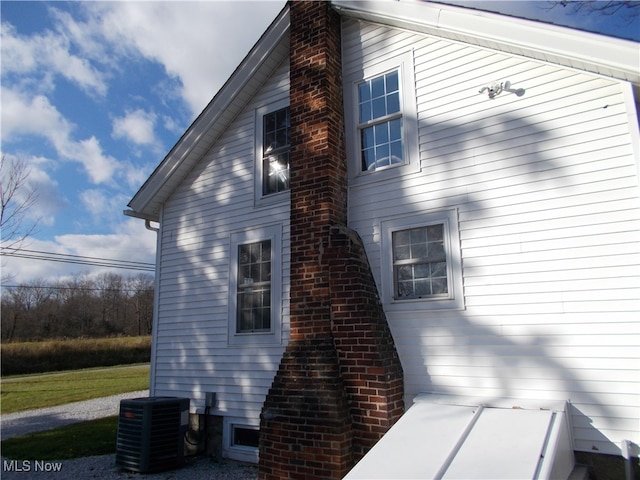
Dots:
pixel 243 436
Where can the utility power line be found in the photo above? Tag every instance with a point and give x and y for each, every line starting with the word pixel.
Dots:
pixel 77 259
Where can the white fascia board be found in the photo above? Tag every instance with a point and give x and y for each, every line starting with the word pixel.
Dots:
pixel 600 54
pixel 176 160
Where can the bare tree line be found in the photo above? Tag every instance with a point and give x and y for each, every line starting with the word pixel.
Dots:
pixel 81 307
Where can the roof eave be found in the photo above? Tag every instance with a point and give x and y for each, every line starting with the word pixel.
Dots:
pixel 551 43
pixel 219 112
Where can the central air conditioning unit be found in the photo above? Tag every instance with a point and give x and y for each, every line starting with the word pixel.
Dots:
pixel 151 433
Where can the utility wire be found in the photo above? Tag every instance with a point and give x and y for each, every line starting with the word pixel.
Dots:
pixel 77 259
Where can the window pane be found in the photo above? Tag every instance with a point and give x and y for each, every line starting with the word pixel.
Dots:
pixel 436 250
pixel 254 288
pixel 422 288
pixel 382 133
pixel 382 156
pixel 378 98
pixel 365 112
pixel 368 159
pixel 402 252
pixel 393 103
pixel 395 129
pixel 392 81
pixel 246 437
pixel 275 163
pixel 439 286
pixel 364 92
pixel 420 266
pixel 435 232
pixel 396 152
pixel 367 138
pixel 405 290
pixel 377 87
pixel 379 107
pixel 276 173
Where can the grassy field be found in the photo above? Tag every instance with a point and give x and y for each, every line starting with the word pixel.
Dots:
pixel 59 355
pixel 48 390
pixel 95 437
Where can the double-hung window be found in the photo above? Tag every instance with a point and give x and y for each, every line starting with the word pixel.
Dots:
pixel 275 151
pixel 421 262
pixel 255 286
pixel 380 122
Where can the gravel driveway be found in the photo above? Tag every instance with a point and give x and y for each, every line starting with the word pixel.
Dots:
pixel 100 467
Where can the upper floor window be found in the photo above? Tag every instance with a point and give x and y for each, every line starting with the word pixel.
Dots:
pixel 275 151
pixel 380 122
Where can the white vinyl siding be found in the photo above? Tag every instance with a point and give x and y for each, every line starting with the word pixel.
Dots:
pixel 216 199
pixel 546 189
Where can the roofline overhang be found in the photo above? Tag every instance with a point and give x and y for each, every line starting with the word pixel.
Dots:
pixel 175 160
pixel 613 57
pixel 545 42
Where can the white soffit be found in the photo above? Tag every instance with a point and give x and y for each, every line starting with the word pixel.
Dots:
pixel 595 53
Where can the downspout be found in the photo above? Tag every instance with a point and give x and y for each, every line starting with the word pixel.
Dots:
pixel 156 305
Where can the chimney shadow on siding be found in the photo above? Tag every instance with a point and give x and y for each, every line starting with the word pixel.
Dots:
pixel 515 343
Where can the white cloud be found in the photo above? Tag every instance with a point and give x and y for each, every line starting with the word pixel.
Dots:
pixel 168 31
pixel 131 241
pixel 24 115
pixel 46 54
pixel 136 126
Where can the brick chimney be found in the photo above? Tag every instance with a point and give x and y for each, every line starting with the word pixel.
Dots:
pixel 339 385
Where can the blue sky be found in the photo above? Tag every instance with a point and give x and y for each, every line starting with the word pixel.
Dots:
pixel 94 94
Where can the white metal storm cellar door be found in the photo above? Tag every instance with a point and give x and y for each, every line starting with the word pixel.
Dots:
pixel 442 437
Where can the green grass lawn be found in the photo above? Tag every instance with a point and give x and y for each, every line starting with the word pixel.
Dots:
pixel 49 390
pixel 95 437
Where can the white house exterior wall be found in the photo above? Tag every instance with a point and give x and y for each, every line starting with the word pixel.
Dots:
pixel 545 186
pixel 192 351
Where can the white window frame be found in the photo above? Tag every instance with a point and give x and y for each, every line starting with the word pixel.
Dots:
pixel 260 199
pixel 240 453
pixel 274 335
pixel 454 300
pixel 403 63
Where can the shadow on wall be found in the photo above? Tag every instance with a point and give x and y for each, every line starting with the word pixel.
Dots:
pixel 527 190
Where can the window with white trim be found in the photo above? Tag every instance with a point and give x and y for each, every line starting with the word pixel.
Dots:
pixel 380 114
pixel 275 151
pixel 421 262
pixel 380 122
pixel 240 438
pixel 273 143
pixel 255 286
